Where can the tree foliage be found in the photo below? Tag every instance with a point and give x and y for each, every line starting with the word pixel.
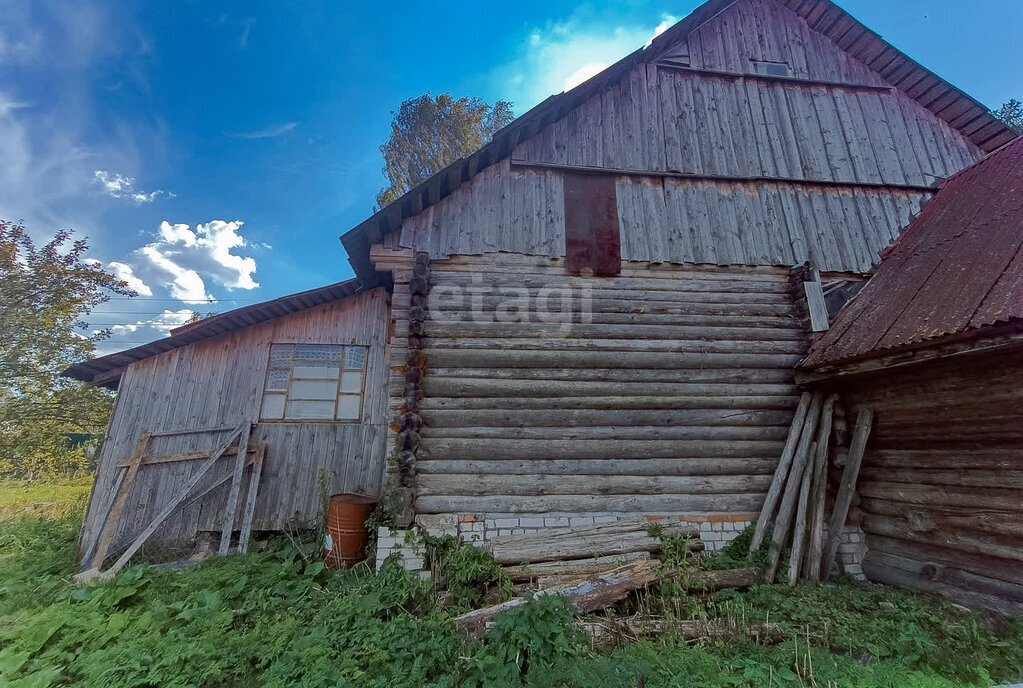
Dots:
pixel 429 133
pixel 1011 112
pixel 47 421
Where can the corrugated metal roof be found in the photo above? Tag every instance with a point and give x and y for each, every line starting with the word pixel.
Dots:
pixel 959 266
pixel 102 370
pixel 959 110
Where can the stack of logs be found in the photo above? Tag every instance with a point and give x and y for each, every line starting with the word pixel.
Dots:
pixel 795 503
pixel 594 567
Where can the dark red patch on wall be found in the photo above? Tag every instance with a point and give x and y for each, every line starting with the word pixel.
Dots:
pixel 592 240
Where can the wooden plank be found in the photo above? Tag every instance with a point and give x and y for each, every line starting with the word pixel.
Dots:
pixel 236 486
pixel 847 487
pixel 114 489
pixel 786 509
pixel 778 482
pixel 815 303
pixel 176 457
pixel 799 532
pixel 250 503
pixel 583 567
pixel 818 494
pixel 117 508
pixel 94 573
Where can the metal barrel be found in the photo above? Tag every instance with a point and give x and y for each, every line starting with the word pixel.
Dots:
pixel 346 528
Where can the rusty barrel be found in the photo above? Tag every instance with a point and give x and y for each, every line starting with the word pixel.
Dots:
pixel 346 529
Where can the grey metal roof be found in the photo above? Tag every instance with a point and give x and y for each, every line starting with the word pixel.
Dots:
pixel 105 370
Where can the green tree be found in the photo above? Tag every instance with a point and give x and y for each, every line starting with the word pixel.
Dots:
pixel 45 292
pixel 428 134
pixel 1011 112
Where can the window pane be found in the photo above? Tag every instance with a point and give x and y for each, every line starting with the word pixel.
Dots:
pixel 348 407
pixel 320 352
pixel 321 370
pixel 313 410
pixel 273 406
pixel 277 381
pixel 355 357
pixel 351 382
pixel 313 389
pixel 280 355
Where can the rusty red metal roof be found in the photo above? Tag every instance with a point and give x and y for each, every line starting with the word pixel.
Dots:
pixel 959 266
pixel 105 370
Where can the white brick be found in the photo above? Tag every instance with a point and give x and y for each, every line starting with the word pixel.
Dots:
pixel 717 526
pixel 476 527
pixel 506 522
pixel 531 522
pixel 711 537
pixel 504 531
pixel 517 531
pixel 413 564
pixel 555 521
pixel 580 521
pixel 425 575
pixel 848 547
pixel 605 519
pixel 470 537
pixel 704 527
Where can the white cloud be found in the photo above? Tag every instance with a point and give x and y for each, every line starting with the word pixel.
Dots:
pixel 125 273
pixel 119 186
pixel 561 55
pixel 667 22
pixel 265 133
pixel 243 38
pixel 181 257
pixel 164 322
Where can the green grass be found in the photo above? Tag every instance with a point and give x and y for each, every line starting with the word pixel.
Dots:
pixel 279 619
pixel 49 500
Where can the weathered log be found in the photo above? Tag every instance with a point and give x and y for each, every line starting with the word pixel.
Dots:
pixel 948 574
pixel 533 485
pixel 611 432
pixel 544 341
pixel 582 567
pixel 606 467
pixel 966 477
pixel 953 539
pixel 786 509
pixel 590 594
pixel 616 631
pixel 799 531
pixel 621 537
pixel 818 494
pixel 473 448
pixel 980 564
pixel 709 581
pixel 857 447
pixel 531 358
pixel 537 389
pixel 641 504
pixel 778 481
pixel 989 498
pixel 618 417
pixel 612 401
pixel 926 517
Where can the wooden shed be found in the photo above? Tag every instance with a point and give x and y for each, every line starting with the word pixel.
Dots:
pixel 934 345
pixel 595 314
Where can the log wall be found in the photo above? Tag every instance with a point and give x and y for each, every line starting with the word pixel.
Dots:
pixel 941 486
pixel 216 384
pixel 667 389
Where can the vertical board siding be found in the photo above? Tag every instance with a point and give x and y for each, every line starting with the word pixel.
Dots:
pixel 660 119
pixel 216 384
pixel 941 487
pixel 665 388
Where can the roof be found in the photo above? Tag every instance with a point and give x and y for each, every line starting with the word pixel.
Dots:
pixel 957 268
pixel 959 110
pixel 105 370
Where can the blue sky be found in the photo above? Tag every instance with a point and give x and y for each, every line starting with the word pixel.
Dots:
pixel 219 149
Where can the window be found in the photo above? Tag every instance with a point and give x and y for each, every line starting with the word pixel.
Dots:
pixel 771 68
pixel 314 382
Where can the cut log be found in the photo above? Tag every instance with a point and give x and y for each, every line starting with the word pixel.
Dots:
pixel 606 539
pixel 582 567
pixel 593 593
pixel 709 581
pixel 857 447
pixel 617 631
pixel 799 532
pixel 778 482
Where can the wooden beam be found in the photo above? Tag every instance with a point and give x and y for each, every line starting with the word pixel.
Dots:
pixel 250 504
pixel 857 447
pixel 94 573
pixel 188 456
pixel 815 304
pixel 112 519
pixel 774 78
pixel 778 482
pixel 236 486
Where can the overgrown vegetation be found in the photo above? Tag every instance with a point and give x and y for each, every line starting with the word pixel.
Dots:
pixel 276 619
pixel 466 572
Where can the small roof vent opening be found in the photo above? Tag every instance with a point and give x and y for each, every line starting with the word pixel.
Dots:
pixel 771 68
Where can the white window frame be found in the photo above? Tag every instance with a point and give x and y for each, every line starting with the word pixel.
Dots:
pixel 287 395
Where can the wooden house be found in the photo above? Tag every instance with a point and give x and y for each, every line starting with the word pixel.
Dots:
pixel 593 315
pixel 934 345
